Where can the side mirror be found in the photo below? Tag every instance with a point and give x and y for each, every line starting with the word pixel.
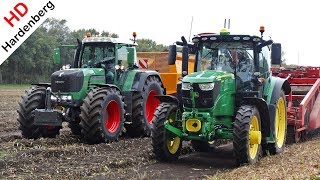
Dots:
pixel 172 55
pixel 56 56
pixel 276 54
pixel 132 56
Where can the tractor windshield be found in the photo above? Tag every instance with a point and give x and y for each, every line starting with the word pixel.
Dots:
pixel 94 54
pixel 232 57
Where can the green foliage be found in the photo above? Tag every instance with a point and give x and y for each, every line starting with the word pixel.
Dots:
pixel 32 62
pixel 148 45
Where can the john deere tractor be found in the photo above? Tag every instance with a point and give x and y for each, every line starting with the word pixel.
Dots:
pixel 103 92
pixel 231 96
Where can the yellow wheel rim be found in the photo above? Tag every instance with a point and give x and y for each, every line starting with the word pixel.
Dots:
pixel 280 122
pixel 253 148
pixel 173 143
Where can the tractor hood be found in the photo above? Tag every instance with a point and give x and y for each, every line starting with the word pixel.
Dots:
pixel 206 76
pixel 76 81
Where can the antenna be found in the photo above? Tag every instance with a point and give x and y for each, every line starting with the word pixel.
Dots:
pixel 190 28
pixel 225 24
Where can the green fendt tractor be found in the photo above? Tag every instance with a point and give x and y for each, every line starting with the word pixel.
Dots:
pixel 103 92
pixel 231 96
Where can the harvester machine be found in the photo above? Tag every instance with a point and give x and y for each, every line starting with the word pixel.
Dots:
pixel 303 109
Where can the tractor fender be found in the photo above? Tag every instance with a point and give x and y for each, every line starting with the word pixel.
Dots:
pixel 42 84
pixel 140 79
pixel 280 84
pixel 168 99
pixel 262 106
pixel 107 85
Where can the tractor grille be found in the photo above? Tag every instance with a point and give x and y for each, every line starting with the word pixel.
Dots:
pixel 206 99
pixel 67 81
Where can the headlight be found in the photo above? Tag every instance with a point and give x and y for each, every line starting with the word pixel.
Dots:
pixel 66 98
pixel 206 86
pixel 186 86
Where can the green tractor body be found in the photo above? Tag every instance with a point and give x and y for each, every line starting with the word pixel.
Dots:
pixel 231 95
pixel 102 93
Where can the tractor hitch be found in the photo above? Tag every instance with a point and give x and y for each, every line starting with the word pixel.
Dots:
pixel 52 117
pixel 48 116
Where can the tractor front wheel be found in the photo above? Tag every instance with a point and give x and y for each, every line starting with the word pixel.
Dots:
pixel 166 145
pixel 247 135
pixel 75 126
pixel 102 115
pixel 144 105
pixel 34 98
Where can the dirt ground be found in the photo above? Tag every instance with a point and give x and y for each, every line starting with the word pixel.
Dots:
pixel 66 157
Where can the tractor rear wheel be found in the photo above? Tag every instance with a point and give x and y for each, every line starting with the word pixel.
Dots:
pixel 200 146
pixel 247 135
pixel 166 145
pixel 144 105
pixel 280 124
pixel 34 98
pixel 102 115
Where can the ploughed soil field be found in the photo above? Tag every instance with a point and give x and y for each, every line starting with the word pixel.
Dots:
pixel 66 157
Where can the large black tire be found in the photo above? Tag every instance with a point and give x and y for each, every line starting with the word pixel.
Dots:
pixel 75 126
pixel 34 98
pixel 144 105
pixel 280 124
pixel 102 115
pixel 200 146
pixel 166 145
pixel 246 120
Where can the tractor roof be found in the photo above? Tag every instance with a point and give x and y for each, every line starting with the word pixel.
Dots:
pixel 107 40
pixel 203 37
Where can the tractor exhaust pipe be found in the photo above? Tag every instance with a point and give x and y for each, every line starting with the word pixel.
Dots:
pixel 185 57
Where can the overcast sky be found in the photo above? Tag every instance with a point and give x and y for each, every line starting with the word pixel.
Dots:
pixel 293 23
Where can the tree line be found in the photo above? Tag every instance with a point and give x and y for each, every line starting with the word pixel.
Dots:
pixel 32 62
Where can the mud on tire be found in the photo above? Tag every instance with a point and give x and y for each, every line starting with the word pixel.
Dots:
pixel 144 105
pixel 34 98
pixel 102 115
pixel 166 146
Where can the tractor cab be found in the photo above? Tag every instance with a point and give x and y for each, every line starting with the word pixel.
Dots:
pixel 244 56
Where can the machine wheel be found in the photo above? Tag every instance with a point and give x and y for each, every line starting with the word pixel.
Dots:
pixel 144 105
pixel 166 145
pixel 75 126
pixel 292 135
pixel 102 115
pixel 280 124
pixel 34 98
pixel 200 146
pixel 247 135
